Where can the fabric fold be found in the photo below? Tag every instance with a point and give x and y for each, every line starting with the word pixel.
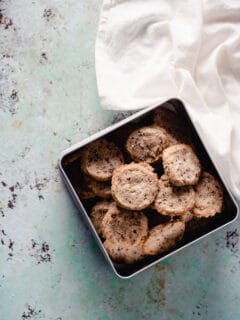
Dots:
pixel 150 51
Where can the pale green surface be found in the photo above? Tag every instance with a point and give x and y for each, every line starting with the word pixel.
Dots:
pixel 56 105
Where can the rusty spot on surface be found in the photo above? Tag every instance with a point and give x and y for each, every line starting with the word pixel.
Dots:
pixel 3 183
pixel 14 95
pixel 31 312
pixel 10 204
pixel 155 292
pixel 5 21
pixel 48 14
pixel 12 199
pixel 156 288
pixel 41 252
pixel 7 55
pixel 11 243
pixel 34 243
pixel 232 239
pixel 44 55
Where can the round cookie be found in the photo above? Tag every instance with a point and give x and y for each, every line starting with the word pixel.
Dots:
pixel 101 189
pixel 134 186
pixel 100 158
pixel 209 197
pixel 166 118
pixel 82 186
pixel 173 201
pixel 181 165
pixel 187 216
pixel 163 237
pixel 85 194
pixel 126 227
pixel 123 253
pixel 146 144
pixel 178 136
pixel 97 214
pixel 171 122
pixel 196 225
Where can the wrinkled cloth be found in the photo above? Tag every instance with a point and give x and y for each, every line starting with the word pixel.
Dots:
pixel 150 51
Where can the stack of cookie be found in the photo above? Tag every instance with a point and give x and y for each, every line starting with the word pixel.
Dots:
pixel 182 193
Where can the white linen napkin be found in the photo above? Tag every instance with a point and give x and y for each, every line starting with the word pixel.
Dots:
pixel 150 51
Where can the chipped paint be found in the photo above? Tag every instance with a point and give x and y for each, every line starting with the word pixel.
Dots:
pixel 51 267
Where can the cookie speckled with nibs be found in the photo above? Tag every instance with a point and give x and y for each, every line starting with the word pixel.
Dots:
pixel 123 253
pixel 166 118
pixel 100 158
pixel 163 237
pixel 88 188
pixel 209 197
pixel 101 189
pixel 83 186
pixel 97 214
pixel 173 201
pixel 134 186
pixel 171 122
pixel 146 144
pixel 187 216
pixel 181 165
pixel 126 227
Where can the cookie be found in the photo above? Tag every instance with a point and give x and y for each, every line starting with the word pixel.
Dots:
pixel 124 227
pixel 75 156
pixel 101 189
pixel 134 186
pixel 82 185
pixel 100 158
pixel 163 237
pixel 146 144
pixel 123 253
pixel 173 201
pixel 97 214
pixel 187 216
pixel 178 136
pixel 181 165
pixel 196 225
pixel 166 118
pixel 209 197
pixel 85 193
pixel 173 124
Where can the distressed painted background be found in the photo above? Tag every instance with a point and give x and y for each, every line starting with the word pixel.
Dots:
pixel 50 266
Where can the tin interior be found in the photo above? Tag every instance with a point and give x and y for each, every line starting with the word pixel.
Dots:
pixel 70 164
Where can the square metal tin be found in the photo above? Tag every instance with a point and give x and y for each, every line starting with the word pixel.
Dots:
pixel 69 166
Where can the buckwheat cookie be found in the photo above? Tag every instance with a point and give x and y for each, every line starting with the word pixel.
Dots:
pixel 98 212
pixel 146 144
pixel 173 124
pixel 126 227
pixel 209 197
pixel 101 189
pixel 181 165
pixel 178 136
pixel 100 158
pixel 134 186
pixel 83 187
pixel 123 253
pixel 187 216
pixel 173 201
pixel 163 237
pixel 196 225
pixel 166 118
